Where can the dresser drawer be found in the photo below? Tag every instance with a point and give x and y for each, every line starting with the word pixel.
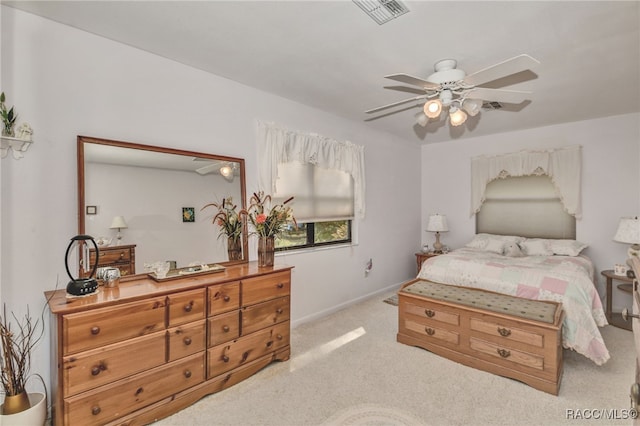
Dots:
pixel 266 287
pixel 230 355
pixel 265 314
pixel 113 401
pixel 224 297
pixel 186 306
pixel 97 367
pixel 433 312
pixel 186 340
pixel 224 327
pixel 99 327
pixel 507 331
pixel 433 332
pixel 507 355
pixel 111 255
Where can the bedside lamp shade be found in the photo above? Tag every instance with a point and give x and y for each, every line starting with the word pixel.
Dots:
pixel 437 223
pixel 629 232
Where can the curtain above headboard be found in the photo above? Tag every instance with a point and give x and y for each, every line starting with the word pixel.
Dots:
pixel 563 166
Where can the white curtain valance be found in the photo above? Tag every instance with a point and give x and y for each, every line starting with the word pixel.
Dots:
pixel 563 166
pixel 277 145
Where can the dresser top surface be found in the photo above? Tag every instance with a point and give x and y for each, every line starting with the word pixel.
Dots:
pixel 143 286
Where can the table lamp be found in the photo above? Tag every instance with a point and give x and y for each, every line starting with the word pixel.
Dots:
pixel 629 232
pixel 437 223
pixel 118 223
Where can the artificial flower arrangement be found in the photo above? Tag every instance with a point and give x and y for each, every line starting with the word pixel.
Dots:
pixel 268 220
pixel 227 218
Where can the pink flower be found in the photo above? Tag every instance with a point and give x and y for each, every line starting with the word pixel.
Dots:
pixel 261 218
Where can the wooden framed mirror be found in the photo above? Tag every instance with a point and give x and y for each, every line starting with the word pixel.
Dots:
pixel 153 198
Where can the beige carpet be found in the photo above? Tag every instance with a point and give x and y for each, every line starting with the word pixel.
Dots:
pixel 348 369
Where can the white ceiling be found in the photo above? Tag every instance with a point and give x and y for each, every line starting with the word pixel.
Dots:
pixel 330 55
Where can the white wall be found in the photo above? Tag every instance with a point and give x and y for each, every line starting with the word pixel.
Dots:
pixel 610 180
pixel 67 83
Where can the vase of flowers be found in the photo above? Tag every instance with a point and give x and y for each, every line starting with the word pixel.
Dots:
pixel 230 225
pixel 268 222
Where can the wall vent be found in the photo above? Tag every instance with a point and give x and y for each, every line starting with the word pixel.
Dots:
pixel 382 11
pixel 491 105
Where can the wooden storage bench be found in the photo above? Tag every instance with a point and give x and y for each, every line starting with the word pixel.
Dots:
pixel 505 335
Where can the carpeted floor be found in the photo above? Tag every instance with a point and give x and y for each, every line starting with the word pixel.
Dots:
pixel 348 369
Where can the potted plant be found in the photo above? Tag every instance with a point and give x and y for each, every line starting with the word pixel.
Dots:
pixel 8 118
pixel 230 225
pixel 17 341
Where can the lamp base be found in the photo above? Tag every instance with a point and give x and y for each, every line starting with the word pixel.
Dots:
pixel 634 250
pixel 437 246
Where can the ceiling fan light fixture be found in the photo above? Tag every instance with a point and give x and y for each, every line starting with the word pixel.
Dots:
pixel 227 172
pixel 433 108
pixel 472 106
pixel 422 119
pixel 457 116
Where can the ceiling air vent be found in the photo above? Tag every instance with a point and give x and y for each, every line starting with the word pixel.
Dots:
pixel 491 105
pixel 382 11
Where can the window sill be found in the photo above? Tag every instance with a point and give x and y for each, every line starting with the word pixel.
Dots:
pixel 304 250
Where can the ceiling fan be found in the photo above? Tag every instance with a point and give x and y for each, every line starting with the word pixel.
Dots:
pixel 450 87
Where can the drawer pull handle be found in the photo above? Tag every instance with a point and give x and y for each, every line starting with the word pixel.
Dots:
pixel 226 298
pixel 225 328
pixel 429 313
pixel 225 358
pixel 504 353
pixel 280 285
pixel 269 343
pixel 188 307
pixel 139 391
pixel 95 330
pixel 95 410
pixel 430 331
pixel 121 255
pixel 279 311
pixel 187 341
pixel 245 355
pixel 279 336
pixel 187 374
pixel 504 332
pixel 96 369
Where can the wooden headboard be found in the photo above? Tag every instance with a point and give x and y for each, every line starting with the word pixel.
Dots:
pixel 528 206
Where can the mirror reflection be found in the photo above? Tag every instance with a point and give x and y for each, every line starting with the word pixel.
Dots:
pixel 142 204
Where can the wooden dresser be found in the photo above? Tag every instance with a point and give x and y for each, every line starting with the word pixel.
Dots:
pixel 505 335
pixel 121 257
pixel 141 351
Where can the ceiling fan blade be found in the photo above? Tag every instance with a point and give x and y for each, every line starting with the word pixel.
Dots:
pixel 414 81
pixel 497 95
pixel 207 169
pixel 510 66
pixel 395 103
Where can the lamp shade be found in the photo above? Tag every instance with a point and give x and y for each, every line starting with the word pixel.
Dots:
pixel 118 222
pixel 628 231
pixel 437 223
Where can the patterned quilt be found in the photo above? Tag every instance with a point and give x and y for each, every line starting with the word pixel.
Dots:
pixel 564 279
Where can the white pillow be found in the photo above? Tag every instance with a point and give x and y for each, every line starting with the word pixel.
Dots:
pixel 536 247
pixel 492 242
pixel 567 247
pixel 495 245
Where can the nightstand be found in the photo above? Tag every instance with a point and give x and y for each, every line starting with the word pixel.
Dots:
pixel 421 257
pixel 615 318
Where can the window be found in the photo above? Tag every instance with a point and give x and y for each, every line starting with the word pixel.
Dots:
pixel 323 205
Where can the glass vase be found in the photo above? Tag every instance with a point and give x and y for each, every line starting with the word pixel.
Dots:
pixel 266 251
pixel 234 248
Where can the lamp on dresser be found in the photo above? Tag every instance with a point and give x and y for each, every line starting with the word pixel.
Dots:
pixel 118 223
pixel 437 223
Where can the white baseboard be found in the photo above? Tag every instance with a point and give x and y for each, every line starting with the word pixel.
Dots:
pixel 324 313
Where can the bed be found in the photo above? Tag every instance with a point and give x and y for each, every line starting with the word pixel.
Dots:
pixel 532 268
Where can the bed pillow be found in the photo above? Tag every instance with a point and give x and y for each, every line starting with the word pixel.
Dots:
pixel 567 247
pixel 493 243
pixel 512 249
pixel 536 247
